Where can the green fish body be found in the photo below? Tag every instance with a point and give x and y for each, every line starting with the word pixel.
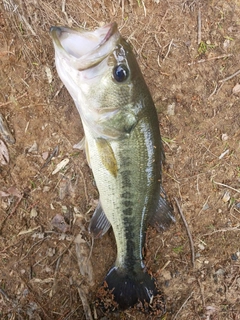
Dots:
pixel 123 148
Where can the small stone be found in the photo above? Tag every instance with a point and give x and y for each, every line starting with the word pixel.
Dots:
pixel 236 89
pixel 226 197
pixel 33 148
pixel 220 272
pixel 206 206
pixel 224 137
pixel 33 213
pixel 234 257
pixel 201 246
pixel 46 188
pixel 237 205
pixel 51 252
pixel 166 274
pixel 226 43
pixel 171 109
pixel 48 74
pixel 45 155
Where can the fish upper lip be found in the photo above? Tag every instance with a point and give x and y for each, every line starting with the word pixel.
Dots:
pixel 88 58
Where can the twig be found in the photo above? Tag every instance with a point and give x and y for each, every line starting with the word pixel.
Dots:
pixel 53 154
pixel 86 307
pixel 144 8
pixel 62 253
pixel 28 25
pixel 9 102
pixel 202 293
pixel 3 293
pixel 11 213
pixel 162 21
pixel 169 48
pixel 210 59
pixel 199 27
pixel 34 296
pixel 188 232
pixel 237 228
pixel 84 185
pixel 204 205
pixel 214 91
pixel 182 306
pixel 36 243
pixel 225 185
pixel 230 77
pixel 52 291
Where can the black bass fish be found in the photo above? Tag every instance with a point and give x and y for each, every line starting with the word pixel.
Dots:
pixel 123 148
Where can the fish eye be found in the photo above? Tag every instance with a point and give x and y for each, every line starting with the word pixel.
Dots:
pixel 120 73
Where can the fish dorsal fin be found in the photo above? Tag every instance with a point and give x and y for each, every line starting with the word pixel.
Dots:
pixel 163 216
pixel 107 155
pixel 99 223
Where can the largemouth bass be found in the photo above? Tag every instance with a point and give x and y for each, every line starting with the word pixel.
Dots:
pixel 123 148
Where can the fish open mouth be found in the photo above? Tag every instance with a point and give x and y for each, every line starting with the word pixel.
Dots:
pixel 84 48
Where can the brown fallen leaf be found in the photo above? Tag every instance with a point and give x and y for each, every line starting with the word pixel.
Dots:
pixel 83 251
pixel 4 156
pixel 11 191
pixel 5 131
pixel 59 222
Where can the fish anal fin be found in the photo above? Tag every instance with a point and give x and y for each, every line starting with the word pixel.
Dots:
pixel 163 216
pixel 99 223
pixel 80 145
pixel 107 156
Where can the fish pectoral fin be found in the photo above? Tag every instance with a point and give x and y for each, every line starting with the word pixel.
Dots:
pixel 83 145
pixel 118 124
pixel 163 216
pixel 107 156
pixel 99 223
pixel 80 145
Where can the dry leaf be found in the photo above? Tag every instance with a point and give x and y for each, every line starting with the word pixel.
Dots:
pixel 4 194
pixel 12 191
pixel 49 74
pixel 59 223
pixel 83 251
pixel 61 165
pixel 5 131
pixel 4 156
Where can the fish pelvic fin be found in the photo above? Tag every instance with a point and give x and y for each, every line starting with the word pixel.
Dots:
pixel 163 216
pixel 99 223
pixel 126 289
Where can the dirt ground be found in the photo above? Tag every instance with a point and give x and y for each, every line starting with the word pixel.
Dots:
pixel 189 53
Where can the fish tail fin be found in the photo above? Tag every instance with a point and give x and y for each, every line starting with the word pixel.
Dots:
pixel 127 289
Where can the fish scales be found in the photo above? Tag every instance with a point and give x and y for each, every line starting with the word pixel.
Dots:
pixel 135 185
pixel 123 148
